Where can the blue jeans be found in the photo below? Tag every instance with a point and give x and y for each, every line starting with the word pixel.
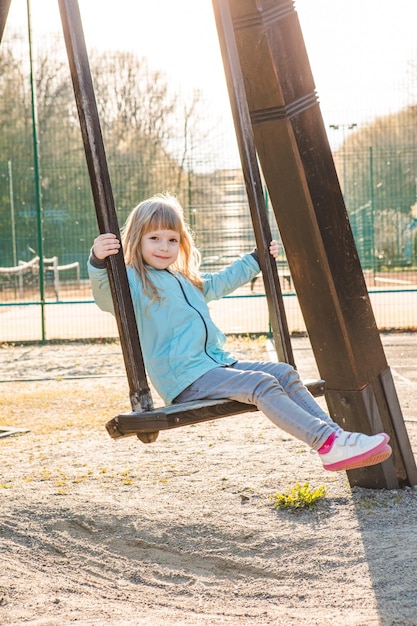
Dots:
pixel 275 389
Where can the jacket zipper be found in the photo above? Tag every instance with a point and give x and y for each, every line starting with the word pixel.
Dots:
pixel 198 313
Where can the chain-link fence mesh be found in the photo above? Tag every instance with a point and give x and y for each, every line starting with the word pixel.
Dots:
pixel 160 136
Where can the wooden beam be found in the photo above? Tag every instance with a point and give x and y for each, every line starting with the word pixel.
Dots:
pixel 176 415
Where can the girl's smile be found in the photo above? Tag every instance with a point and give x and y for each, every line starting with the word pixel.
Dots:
pixel 160 248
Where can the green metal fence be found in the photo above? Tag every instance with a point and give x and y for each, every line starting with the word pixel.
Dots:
pixel 216 206
pixel 160 138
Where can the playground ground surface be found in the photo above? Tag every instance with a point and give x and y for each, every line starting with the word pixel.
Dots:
pixel 183 531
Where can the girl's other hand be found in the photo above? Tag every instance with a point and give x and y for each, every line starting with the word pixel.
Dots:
pixel 105 245
pixel 274 248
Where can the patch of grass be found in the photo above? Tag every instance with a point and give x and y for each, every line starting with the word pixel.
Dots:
pixel 299 497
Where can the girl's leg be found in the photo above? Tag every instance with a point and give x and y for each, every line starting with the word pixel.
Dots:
pixel 264 391
pixel 292 384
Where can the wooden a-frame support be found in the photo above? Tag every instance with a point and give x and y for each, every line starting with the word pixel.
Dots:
pixel 303 186
pixel 276 118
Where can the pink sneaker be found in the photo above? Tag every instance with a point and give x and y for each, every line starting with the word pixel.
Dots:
pixel 353 450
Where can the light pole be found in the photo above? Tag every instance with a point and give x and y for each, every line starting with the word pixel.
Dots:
pixel 372 202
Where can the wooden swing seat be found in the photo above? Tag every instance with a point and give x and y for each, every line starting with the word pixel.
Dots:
pixel 147 424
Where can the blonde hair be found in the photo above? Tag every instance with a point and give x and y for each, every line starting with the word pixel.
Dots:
pixel 161 212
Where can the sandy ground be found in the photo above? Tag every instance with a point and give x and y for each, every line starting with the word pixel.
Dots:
pixel 183 531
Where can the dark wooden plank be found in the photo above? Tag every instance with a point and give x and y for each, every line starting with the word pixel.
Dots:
pixel 176 415
pixel 173 416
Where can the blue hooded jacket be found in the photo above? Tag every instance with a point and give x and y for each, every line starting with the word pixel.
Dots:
pixel 179 340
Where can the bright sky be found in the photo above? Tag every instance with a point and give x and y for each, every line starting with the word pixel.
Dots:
pixel 360 50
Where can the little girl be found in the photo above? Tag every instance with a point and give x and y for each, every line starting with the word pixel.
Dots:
pixel 183 349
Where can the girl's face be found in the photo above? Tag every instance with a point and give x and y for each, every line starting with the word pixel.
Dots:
pixel 160 248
